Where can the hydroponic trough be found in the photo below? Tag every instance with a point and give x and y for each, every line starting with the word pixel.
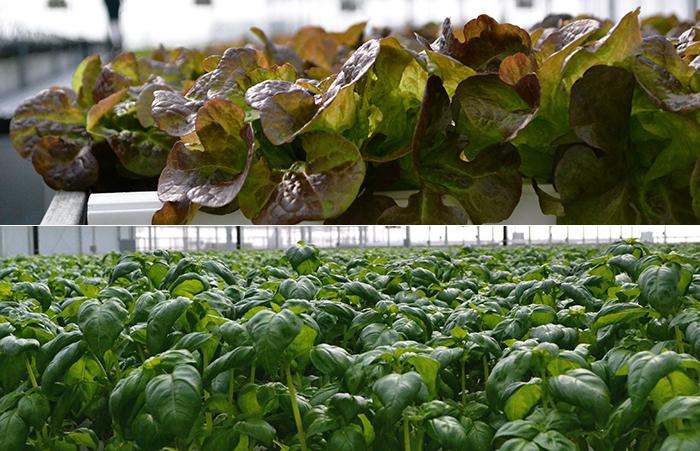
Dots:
pixel 138 208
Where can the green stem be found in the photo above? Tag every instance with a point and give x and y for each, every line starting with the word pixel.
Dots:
pixel 252 374
pixel 406 435
pixel 141 354
pixel 678 423
pixel 230 386
pixel 101 365
pixel 118 370
pixel 344 342
pixel 421 436
pixel 30 372
pixel 463 382
pixel 679 339
pixel 547 401
pixel 295 409
pixel 207 416
pixel 209 422
pixel 485 362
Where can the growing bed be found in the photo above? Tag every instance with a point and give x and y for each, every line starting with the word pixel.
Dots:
pixel 537 348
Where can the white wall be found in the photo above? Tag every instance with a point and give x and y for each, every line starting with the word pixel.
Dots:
pixel 15 240
pixel 60 240
pixel 75 240
pixel 180 22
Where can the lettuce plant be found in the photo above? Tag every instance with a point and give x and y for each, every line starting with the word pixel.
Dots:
pixel 310 128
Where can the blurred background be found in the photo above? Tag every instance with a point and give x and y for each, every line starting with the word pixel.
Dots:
pixel 41 42
pixel 26 240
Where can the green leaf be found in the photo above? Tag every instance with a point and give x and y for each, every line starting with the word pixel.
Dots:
pixel 619 44
pixel 304 341
pixel 272 333
pixel 83 437
pixel 661 287
pixel 479 435
pixel 145 303
pixel 584 389
pixel 524 398
pixel 52 347
pixel 13 431
pixel 169 359
pixel 101 323
pixel 234 333
pixel 396 392
pixel 175 400
pixel 680 407
pixel 450 71
pixel 36 290
pixel 564 337
pixel 617 313
pixel 85 78
pixel 13 347
pixel 522 429
pixel 156 273
pixel 448 432
pixel 678 137
pixel 260 430
pixel 147 432
pixel 120 293
pixel 59 365
pixel 161 321
pixel 241 357
pixel 127 398
pixel 223 439
pixel 554 440
pixel 364 291
pixel 348 406
pixel 347 438
pixel 592 189
pixel 508 370
pixel 665 77
pixel 122 120
pixel 295 194
pixel 123 269
pixel 330 360
pixel 375 335
pixel 645 371
pixel 676 383
pixel 304 259
pixel 681 441
pixel 34 409
pixel 519 444
pixel 487 112
pixel 428 368
pixel 303 288
pixel 193 341
pixel 188 285
pixel 601 103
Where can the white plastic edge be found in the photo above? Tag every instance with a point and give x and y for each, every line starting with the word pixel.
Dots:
pixel 137 208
